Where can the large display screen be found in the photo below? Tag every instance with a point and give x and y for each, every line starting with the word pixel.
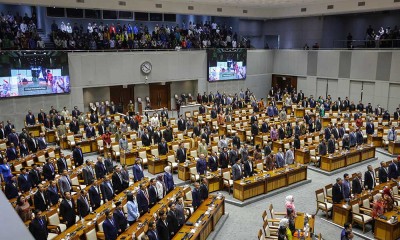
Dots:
pixel 226 64
pixel 28 73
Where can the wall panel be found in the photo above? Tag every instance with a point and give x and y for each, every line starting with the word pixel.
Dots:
pixel 394 97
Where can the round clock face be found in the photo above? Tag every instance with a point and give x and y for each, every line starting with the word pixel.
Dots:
pixel 146 67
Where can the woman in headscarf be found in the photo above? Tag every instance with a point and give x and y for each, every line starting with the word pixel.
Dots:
pixel 161 188
pixel 388 199
pixel 284 232
pixel 257 153
pixel 23 209
pixel 168 179
pixel 289 204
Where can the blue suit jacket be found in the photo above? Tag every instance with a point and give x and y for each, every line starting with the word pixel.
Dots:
pixel 169 181
pixel 196 198
pixel 110 230
pixel 53 196
pixel 90 132
pixel 369 128
pixel 270 111
pixel 24 184
pixel 12 138
pixel 346 190
pixel 327 134
pixel 360 138
pixel 95 198
pixel 201 166
pixel 143 204
pixel 30 119
pixel 137 173
pixel 11 154
pixel 42 144
pixel 393 172
pixel 152 235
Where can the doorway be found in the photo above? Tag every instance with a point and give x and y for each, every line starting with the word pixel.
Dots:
pixel 283 81
pixel 121 95
pixel 160 95
pixel 271 42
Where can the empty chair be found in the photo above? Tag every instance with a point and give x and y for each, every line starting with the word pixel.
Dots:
pixel 322 203
pixel 358 217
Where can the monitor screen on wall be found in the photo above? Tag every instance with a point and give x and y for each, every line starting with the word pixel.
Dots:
pixel 29 73
pixel 226 64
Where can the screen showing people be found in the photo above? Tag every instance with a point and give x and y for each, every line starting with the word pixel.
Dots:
pixel 226 64
pixel 27 74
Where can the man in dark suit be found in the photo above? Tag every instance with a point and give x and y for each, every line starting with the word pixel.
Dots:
pixel 233 155
pixel 331 145
pixel 346 187
pixel 359 137
pixel 248 168
pixel 30 118
pixel 83 206
pixel 237 170
pixel 152 193
pixel 93 118
pixel 34 175
pixel 67 210
pixel 75 113
pixel 8 128
pixel 90 132
pixel 162 226
pixel 143 199
pixel 77 155
pixel 101 128
pixel 369 178
pixel 157 135
pixel 223 158
pixel 58 119
pixel 137 171
pixel 38 226
pixel 11 190
pixel 94 196
pixel 162 147
pixel 396 114
pixel 369 129
pixel 42 143
pixel 62 163
pixel 254 130
pixel 213 162
pixel 88 173
pixel 49 171
pixel 52 193
pixel 24 182
pixel 107 190
pixel 327 132
pixel 11 152
pixel 181 124
pixel 383 173
pixel 100 168
pixel 117 180
pixel 32 143
pixel 181 153
pixel 152 231
pixel 337 192
pixel 41 116
pixel 110 226
pixel 172 220
pixel 74 126
pixel 356 184
pixel 196 196
pixel 146 138
pixel 120 218
pixel 204 189
pixel 40 199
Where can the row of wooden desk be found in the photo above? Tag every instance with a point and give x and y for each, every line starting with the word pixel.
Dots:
pixel 267 181
pixel 332 162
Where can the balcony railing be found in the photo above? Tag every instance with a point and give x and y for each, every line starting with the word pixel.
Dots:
pixel 371 44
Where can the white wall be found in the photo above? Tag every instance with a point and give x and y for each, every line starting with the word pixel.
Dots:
pixel 96 94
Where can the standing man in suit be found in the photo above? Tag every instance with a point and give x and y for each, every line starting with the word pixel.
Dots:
pixel 172 220
pixel 237 170
pixel 38 226
pixel 152 192
pixel 383 173
pixel 52 193
pixel 356 184
pixel 90 132
pixel 359 137
pixel 49 171
pixel 110 226
pixel 162 226
pixel 279 159
pixel 100 168
pixel 88 173
pixel 40 199
pixel 181 153
pixel 331 145
pixel 34 175
pixel 201 165
pixel 94 195
pixel 120 218
pixel 162 147
pixel 196 197
pixel 346 187
pixel 77 155
pixel 369 128
pixel 12 152
pixel 223 158
pixel 213 162
pixel 143 199
pixel 83 204
pixel 168 179
pixel 74 126
pixel 117 180
pixel 233 155
pixel 42 141
pixel 369 178
pixel 248 168
pixel 393 172
pixel 152 231
pixel 67 210
pixel 181 124
pixel 11 188
pixel 62 163
pixel 146 138
pixel 204 189
pixel 32 143
pixel 24 182
pixel 65 183
pixel 137 171
pixel 337 192
pixel 107 190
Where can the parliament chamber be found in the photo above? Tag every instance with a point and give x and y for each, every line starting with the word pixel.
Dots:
pixel 168 120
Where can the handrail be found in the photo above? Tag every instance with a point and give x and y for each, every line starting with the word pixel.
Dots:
pixel 373 44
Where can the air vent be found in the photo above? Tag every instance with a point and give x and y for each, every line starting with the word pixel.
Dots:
pixel 396 1
pixel 303 10
pixel 244 11
pixel 190 8
pixel 158 5
pixel 80 1
pixel 361 4
pixel 219 9
pixel 330 7
pixel 122 3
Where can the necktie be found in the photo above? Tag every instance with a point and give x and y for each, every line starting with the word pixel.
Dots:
pixel 41 222
pixel 51 167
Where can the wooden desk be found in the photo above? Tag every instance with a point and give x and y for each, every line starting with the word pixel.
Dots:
pixel 296 175
pixel 341 213
pixel 338 160
pixel 385 230
pixel 368 152
pixel 241 134
pixel 156 166
pixel 394 148
pixel 128 158
pixel 332 163
pixel 299 112
pixel 206 216
pixel 214 181
pixel 51 136
pixel 222 130
pixel 325 121
pixel 276 145
pixel 250 188
pixel 376 140
pixel 353 157
pixel 184 171
pixel 35 129
pixel 302 156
